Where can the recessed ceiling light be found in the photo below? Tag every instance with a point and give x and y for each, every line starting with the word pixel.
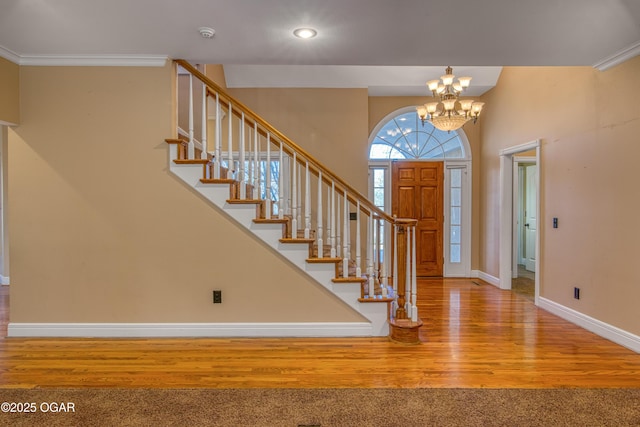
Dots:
pixel 305 33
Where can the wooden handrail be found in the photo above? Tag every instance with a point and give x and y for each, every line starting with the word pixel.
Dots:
pixel 328 174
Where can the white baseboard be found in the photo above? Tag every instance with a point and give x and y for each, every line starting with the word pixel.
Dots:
pixel 486 277
pixel 167 330
pixel 612 333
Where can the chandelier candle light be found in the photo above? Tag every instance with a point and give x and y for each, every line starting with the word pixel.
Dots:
pixel 450 113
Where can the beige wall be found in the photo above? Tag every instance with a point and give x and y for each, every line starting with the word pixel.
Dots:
pixel 102 232
pixel 589 122
pixel 216 73
pixel 330 124
pixel 9 92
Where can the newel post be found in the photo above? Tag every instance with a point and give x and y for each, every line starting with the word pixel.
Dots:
pixel 401 253
pixel 404 324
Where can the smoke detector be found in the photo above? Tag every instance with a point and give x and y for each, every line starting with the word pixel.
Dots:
pixel 206 32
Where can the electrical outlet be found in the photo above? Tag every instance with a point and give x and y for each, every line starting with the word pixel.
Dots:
pixel 576 293
pixel 217 297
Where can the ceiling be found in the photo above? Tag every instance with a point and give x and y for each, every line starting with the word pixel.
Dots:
pixel 390 47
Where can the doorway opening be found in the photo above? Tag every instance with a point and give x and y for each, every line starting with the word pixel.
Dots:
pixel 525 225
pixel 519 216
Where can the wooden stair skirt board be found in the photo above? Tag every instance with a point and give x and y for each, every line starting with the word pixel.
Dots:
pixel 405 331
pixel 249 214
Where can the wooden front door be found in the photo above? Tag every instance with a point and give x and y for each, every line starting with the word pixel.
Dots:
pixel 417 192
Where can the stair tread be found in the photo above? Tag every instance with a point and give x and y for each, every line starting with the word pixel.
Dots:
pixel 325 260
pixel 350 279
pixel 191 161
pixel 290 240
pixel 375 299
pixel 217 180
pixel 271 221
pixel 244 201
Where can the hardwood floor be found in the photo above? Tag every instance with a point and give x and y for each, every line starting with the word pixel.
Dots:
pixel 475 335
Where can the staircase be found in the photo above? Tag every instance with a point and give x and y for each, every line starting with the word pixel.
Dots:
pixel 299 208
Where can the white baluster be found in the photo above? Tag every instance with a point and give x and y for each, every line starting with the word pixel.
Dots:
pixel 332 220
pixel 256 162
pixel 249 169
pixel 294 202
pixel 395 268
pixel 299 195
pixel 191 150
pixel 337 222
pixel 375 244
pixel 345 240
pixel 414 282
pixel 370 249
pixel 358 245
pixel 307 203
pixel 267 185
pixel 289 209
pixel 281 184
pixel 230 165
pixel 242 178
pixel 203 154
pixel 319 218
pixel 218 146
pixel 382 263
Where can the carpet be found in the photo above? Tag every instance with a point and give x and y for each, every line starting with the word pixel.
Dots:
pixel 320 407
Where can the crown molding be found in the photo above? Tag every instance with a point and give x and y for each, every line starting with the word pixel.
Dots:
pixel 618 57
pixel 94 60
pixel 85 60
pixel 9 55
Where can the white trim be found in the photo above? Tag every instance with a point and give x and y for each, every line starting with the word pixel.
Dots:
pixel 605 330
pixel 9 55
pixel 618 57
pixel 4 280
pixel 486 277
pixel 166 330
pixel 85 60
pixel 519 148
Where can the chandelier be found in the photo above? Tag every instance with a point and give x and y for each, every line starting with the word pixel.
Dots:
pixel 450 113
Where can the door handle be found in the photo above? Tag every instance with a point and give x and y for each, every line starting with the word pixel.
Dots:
pixel 526 225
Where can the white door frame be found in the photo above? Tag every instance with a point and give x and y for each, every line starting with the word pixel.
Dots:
pixel 507 212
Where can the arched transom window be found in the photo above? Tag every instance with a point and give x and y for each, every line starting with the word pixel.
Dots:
pixel 405 137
